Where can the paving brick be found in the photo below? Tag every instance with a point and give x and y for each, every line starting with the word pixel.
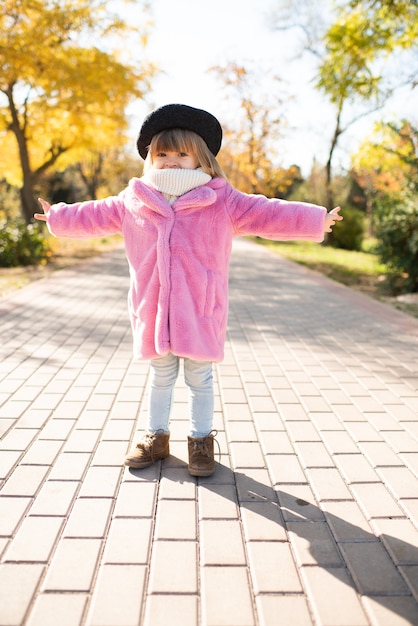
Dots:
pixel 347 521
pixel 42 452
pixel 363 431
pixel 182 609
pixel 55 498
pixel 57 429
pixel 69 410
pixel 241 431
pixel 221 542
pixel 92 419
pixel 285 469
pixel 101 482
pixel 400 538
pixel 292 413
pixel 128 541
pixel 261 403
pixel 411 460
pixel 371 568
pixel 275 610
pixel 302 431
pixel 218 501
pixel 25 480
pixel 118 596
pixel 246 454
pixel 392 611
pixel 355 468
pixel 253 485
pixel 70 466
pixel 82 441
pixel 176 519
pixel 11 512
pixel 110 453
pixel 375 500
pixel 379 453
pixel 328 484
pixel 118 429
pixel 400 441
pixel 383 421
pixel 18 439
pixel 313 544
pixel 8 461
pixel 403 413
pixel 47 606
pixel 236 396
pixel 339 442
pixel 276 442
pixel 237 411
pixel 268 421
pixel 73 565
pixel 332 597
pixel 326 421
pixel 34 540
pixel 89 517
pixel 13 409
pixel 262 521
pixel 313 454
pixel 181 576
pixel 272 567
pixel 348 413
pixel 176 483
pixel 298 502
pixel 400 481
pixel 226 597
pixel 18 583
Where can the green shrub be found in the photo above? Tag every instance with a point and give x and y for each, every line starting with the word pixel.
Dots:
pixel 397 245
pixel 22 244
pixel 349 233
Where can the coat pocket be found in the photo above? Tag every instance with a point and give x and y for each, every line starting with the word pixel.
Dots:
pixel 210 295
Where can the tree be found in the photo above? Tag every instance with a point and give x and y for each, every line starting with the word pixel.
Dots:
pixel 61 96
pixel 353 53
pixel 250 155
pixel 386 166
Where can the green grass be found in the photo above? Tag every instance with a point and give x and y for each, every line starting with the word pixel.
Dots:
pixel 356 269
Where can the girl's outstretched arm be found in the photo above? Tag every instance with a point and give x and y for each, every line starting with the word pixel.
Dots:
pixel 46 206
pixel 332 217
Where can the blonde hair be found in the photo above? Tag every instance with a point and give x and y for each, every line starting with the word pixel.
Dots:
pixel 182 140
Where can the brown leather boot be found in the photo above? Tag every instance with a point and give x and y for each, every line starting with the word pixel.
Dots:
pixel 151 448
pixel 201 455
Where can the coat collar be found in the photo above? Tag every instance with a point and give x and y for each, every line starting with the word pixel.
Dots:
pixel 197 198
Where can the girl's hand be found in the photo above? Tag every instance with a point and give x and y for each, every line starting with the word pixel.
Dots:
pixel 43 216
pixel 332 217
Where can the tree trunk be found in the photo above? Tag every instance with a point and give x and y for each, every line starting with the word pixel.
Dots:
pixel 28 202
pixel 334 141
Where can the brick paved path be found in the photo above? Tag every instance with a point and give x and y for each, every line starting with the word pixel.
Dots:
pixel 311 517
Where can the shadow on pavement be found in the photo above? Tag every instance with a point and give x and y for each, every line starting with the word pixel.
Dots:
pixel 367 562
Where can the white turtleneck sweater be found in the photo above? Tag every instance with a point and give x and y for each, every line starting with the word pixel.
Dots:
pixel 175 182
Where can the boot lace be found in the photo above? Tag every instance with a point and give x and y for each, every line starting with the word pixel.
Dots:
pixel 200 446
pixel 147 442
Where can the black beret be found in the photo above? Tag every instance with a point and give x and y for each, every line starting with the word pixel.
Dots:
pixel 180 116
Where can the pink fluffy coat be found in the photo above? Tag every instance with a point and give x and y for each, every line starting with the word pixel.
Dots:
pixel 179 256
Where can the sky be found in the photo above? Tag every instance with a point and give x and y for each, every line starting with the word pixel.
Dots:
pixel 190 36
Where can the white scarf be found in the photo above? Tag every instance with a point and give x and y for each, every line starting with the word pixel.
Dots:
pixel 173 183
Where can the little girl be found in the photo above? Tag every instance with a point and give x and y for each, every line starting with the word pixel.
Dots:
pixel 178 222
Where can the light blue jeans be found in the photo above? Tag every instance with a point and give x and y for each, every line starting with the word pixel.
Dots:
pixel 199 379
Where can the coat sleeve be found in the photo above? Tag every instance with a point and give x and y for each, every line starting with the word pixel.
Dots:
pixel 274 218
pixel 93 218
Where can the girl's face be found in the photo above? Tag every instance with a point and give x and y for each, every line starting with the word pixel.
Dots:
pixel 174 160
